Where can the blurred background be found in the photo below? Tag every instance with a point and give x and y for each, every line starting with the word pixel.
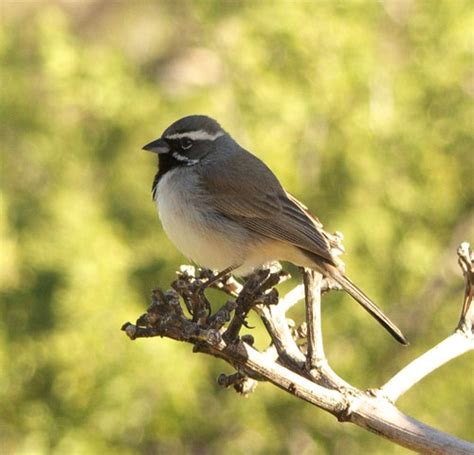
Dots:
pixel 363 108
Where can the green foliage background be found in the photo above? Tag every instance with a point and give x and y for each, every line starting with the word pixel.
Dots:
pixel 363 109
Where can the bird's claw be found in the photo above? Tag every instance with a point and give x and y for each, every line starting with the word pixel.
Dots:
pixel 199 300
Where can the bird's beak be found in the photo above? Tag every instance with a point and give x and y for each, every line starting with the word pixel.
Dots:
pixel 157 146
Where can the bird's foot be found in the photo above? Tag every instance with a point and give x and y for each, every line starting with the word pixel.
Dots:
pixel 201 305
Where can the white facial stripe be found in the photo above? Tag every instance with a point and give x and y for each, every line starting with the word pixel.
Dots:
pixel 196 135
pixel 184 159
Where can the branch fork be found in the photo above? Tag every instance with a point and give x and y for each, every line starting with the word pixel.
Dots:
pixel 301 369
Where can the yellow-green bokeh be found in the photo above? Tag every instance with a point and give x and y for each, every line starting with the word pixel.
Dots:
pixel 364 110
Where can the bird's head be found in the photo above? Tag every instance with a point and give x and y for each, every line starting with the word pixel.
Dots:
pixel 187 140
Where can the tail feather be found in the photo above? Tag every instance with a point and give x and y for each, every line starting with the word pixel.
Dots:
pixel 368 305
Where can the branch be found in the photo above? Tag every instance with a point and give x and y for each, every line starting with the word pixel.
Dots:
pixel 316 361
pixel 450 348
pixel 466 262
pixel 312 284
pixel 295 359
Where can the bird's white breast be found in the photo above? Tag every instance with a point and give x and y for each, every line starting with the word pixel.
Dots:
pixel 189 224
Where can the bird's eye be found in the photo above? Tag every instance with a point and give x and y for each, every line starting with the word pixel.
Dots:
pixel 186 143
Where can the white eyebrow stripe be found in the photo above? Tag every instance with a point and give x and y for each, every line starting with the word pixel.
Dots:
pixel 196 135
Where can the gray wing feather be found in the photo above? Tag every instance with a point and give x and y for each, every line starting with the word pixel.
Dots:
pixel 245 190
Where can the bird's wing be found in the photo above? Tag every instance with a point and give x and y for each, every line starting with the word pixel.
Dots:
pixel 245 190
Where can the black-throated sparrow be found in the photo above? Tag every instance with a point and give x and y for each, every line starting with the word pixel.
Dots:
pixel 225 209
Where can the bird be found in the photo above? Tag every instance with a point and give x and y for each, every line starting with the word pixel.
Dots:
pixel 224 209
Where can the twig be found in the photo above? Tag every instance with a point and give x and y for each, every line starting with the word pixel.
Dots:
pixel 291 298
pixel 289 353
pixel 242 384
pixel 259 288
pixel 466 262
pixel 316 361
pixel 450 348
pixel 312 283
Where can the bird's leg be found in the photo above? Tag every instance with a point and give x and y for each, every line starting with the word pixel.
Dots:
pixel 217 277
pixel 200 296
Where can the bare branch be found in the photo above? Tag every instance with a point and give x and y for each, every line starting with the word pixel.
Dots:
pixel 291 298
pixel 316 361
pixel 312 283
pixel 384 419
pixel 450 348
pixel 466 262
pixel 301 371
pixel 242 384
pixel 259 288
pixel 289 354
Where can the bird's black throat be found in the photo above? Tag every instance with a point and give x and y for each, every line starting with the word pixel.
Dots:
pixel 166 163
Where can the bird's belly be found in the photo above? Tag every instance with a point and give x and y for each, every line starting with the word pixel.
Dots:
pixel 194 239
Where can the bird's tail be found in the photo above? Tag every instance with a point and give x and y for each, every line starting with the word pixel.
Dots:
pixel 367 304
